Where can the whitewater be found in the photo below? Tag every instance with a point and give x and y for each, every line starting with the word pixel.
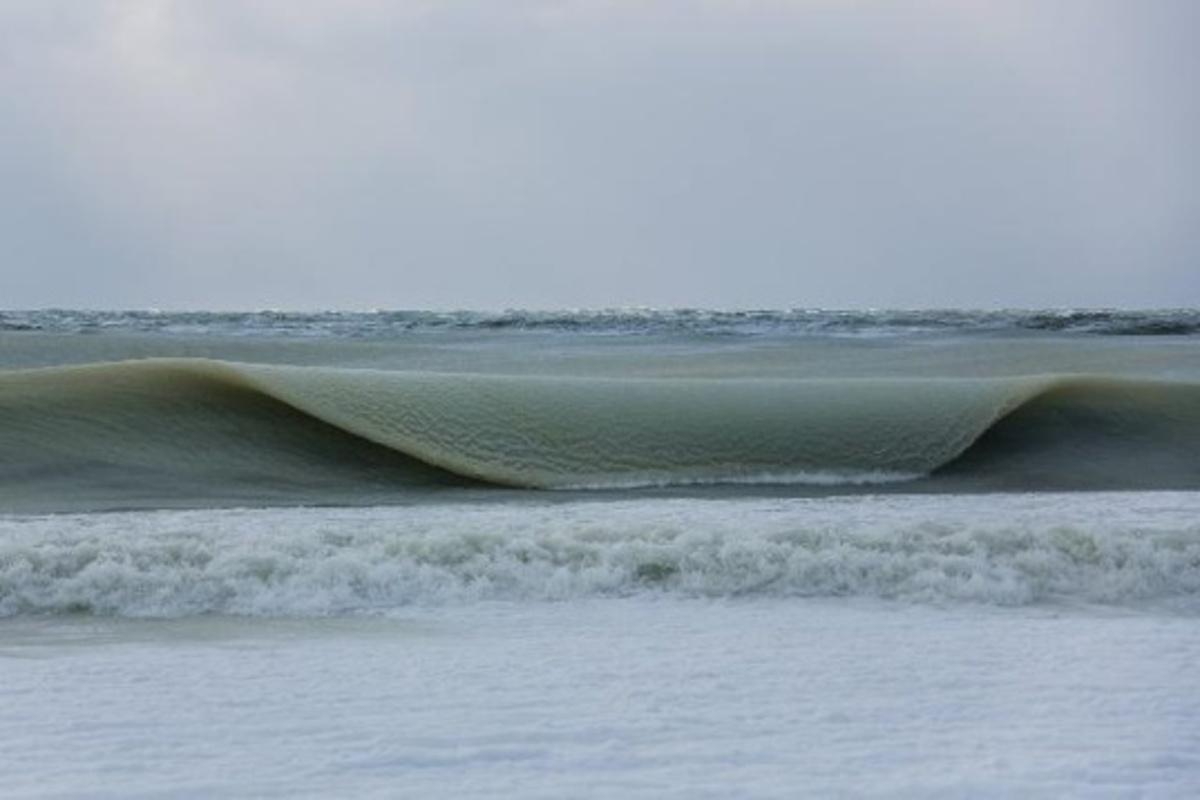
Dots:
pixel 628 553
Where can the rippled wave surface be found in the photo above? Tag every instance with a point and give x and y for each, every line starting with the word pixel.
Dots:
pixel 197 431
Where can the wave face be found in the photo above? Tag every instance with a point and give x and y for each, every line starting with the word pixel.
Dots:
pixel 148 434
pixel 1006 550
pixel 194 432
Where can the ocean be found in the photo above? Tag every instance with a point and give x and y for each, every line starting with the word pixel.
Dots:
pixel 628 553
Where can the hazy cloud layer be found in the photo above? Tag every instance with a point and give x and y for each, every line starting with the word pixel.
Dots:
pixel 364 153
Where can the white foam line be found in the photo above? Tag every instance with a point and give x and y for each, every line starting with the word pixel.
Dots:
pixel 1000 550
pixel 799 478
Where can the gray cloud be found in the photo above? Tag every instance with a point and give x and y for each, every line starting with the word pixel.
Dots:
pixel 269 153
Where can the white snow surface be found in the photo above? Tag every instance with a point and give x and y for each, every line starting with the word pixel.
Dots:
pixel 633 697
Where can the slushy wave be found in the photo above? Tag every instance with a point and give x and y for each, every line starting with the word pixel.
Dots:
pixel 155 432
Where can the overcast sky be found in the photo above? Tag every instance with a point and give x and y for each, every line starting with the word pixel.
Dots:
pixel 492 154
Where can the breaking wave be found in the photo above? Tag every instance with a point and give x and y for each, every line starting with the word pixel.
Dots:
pixel 998 550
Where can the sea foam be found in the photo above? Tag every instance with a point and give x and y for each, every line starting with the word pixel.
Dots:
pixel 1112 549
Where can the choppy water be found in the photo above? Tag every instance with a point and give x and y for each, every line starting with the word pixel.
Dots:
pixel 1163 322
